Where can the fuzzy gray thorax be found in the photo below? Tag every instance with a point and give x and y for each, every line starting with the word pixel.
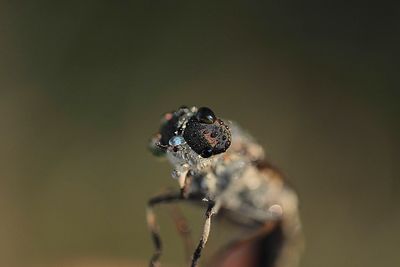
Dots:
pixel 233 180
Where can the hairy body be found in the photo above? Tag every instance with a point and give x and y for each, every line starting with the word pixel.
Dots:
pixel 217 163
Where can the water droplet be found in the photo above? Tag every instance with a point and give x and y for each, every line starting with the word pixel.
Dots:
pixel 176 174
pixel 206 153
pixel 276 210
pixel 205 115
pixel 227 144
pixel 176 141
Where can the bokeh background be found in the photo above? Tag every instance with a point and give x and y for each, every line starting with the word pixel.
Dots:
pixel 83 85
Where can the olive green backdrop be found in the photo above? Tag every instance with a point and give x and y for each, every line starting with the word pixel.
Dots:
pixel 83 85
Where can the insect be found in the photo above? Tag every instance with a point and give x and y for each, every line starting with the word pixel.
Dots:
pixel 219 165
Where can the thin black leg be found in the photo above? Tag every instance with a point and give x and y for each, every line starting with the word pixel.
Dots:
pixel 152 224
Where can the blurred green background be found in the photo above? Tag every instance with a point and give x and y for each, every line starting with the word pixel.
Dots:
pixel 83 85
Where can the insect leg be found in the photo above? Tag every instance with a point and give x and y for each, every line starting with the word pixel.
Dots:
pixel 152 224
pixel 211 210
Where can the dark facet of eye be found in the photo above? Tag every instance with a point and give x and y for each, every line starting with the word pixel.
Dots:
pixel 205 115
pixel 207 139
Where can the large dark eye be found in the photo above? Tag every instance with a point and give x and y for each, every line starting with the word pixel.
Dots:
pixel 205 115
pixel 207 139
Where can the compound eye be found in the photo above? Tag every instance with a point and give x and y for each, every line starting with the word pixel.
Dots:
pixel 205 115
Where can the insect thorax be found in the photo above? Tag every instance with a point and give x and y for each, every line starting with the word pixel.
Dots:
pixel 234 179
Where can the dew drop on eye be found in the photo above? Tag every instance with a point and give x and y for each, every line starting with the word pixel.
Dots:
pixel 176 141
pixel 205 115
